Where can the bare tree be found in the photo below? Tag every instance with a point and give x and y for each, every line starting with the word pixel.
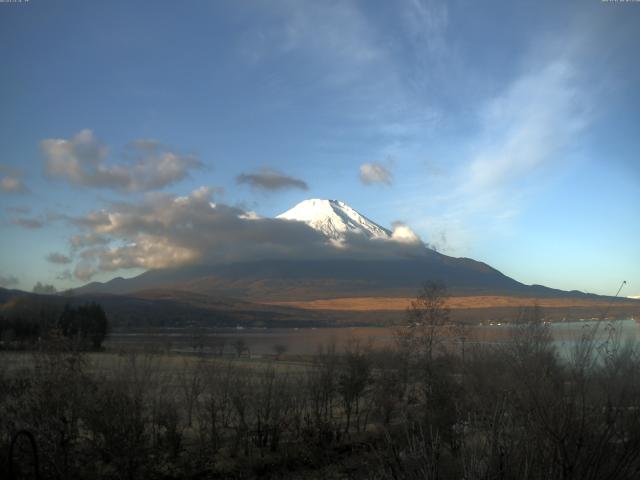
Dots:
pixel 280 349
pixel 354 378
pixel 197 337
pixel 427 314
pixel 321 391
pixel 218 345
pixel 240 346
pixel 191 384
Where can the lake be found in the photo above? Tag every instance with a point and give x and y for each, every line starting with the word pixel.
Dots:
pixel 305 341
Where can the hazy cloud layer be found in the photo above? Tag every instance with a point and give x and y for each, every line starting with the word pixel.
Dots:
pixel 526 134
pixel 82 160
pixel 167 231
pixel 12 185
pixel 58 258
pixel 8 281
pixel 345 62
pixel 337 36
pixel 271 180
pixel 529 125
pixel 372 173
pixel 21 210
pixel 30 223
pixel 84 271
pixel 65 275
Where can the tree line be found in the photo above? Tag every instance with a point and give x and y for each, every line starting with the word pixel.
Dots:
pixel 85 324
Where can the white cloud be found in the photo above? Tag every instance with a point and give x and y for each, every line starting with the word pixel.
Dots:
pixel 148 252
pixel 82 160
pixel 526 135
pixel 11 181
pixel 372 173
pixel 402 233
pixel 528 126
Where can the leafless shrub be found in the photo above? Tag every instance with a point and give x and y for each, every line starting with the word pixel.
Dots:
pixel 353 381
pixel 321 387
pixel 191 383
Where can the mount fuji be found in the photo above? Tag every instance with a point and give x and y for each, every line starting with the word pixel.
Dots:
pixel 335 219
pixel 347 274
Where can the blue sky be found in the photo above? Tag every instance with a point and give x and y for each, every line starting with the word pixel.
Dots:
pixel 503 131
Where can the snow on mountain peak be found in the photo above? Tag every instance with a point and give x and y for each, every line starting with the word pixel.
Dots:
pixel 334 219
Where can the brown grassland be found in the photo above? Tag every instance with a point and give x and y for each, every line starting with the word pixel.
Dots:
pixel 363 304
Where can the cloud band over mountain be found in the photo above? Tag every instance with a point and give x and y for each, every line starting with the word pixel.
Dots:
pixel 169 231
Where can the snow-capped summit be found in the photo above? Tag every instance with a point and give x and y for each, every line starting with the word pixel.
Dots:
pixel 334 219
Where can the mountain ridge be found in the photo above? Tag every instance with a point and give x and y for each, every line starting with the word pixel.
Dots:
pixel 397 275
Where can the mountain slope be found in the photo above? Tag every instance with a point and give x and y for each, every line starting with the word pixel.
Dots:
pixel 160 308
pixel 280 280
pixel 394 271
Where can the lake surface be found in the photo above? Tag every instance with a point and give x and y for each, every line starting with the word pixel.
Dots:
pixel 305 341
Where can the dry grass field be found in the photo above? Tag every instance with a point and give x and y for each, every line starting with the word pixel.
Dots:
pixel 364 304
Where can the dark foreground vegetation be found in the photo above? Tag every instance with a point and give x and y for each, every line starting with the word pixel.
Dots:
pixel 512 411
pixel 85 326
